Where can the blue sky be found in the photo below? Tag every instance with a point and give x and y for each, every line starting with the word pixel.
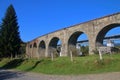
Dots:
pixel 39 17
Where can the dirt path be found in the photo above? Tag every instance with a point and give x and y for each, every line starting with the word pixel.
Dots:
pixel 15 75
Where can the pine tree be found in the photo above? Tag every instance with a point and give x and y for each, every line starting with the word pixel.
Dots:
pixel 10 36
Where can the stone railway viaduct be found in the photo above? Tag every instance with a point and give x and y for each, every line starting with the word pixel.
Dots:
pixel 95 30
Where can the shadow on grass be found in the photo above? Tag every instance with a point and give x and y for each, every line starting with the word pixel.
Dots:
pixel 13 64
pixel 10 75
pixel 34 66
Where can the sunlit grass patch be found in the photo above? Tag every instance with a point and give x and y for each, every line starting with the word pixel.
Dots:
pixel 64 66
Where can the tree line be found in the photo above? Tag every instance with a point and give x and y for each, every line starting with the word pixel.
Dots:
pixel 10 41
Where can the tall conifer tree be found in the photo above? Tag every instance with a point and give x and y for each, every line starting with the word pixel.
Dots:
pixel 10 37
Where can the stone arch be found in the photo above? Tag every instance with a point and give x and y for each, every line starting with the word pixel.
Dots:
pixel 30 46
pixel 41 49
pixel 35 45
pixel 53 46
pixel 34 49
pixel 30 51
pixel 101 34
pixel 72 42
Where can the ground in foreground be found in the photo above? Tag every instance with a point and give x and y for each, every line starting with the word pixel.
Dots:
pixel 15 75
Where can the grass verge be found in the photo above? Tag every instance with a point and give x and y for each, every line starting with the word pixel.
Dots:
pixel 63 65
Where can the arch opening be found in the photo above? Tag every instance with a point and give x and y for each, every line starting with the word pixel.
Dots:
pixel 34 49
pixel 79 44
pixel 109 36
pixel 30 46
pixel 55 47
pixel 41 49
pixel 34 45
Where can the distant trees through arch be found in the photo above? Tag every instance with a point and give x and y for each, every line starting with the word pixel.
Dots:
pixel 78 42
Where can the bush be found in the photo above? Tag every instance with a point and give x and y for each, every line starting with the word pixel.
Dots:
pixel 85 50
pixel 115 50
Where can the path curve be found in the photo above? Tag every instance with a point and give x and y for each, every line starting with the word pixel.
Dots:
pixel 17 75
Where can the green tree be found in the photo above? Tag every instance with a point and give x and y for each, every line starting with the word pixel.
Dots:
pixel 10 38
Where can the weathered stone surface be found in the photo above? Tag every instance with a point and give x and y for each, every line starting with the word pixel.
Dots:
pixel 94 29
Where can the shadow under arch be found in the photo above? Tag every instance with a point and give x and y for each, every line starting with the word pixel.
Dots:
pixel 30 46
pixel 73 41
pixel 34 49
pixel 103 32
pixel 53 47
pixel 41 49
pixel 35 45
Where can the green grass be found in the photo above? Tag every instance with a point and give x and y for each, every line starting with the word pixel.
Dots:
pixel 63 65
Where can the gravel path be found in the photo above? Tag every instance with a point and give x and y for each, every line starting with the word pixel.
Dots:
pixel 16 75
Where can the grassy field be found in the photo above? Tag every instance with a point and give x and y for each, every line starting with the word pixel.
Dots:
pixel 64 66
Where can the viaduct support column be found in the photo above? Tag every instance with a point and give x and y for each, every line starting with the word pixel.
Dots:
pixel 92 39
pixel 64 49
pixel 47 51
pixel 92 47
